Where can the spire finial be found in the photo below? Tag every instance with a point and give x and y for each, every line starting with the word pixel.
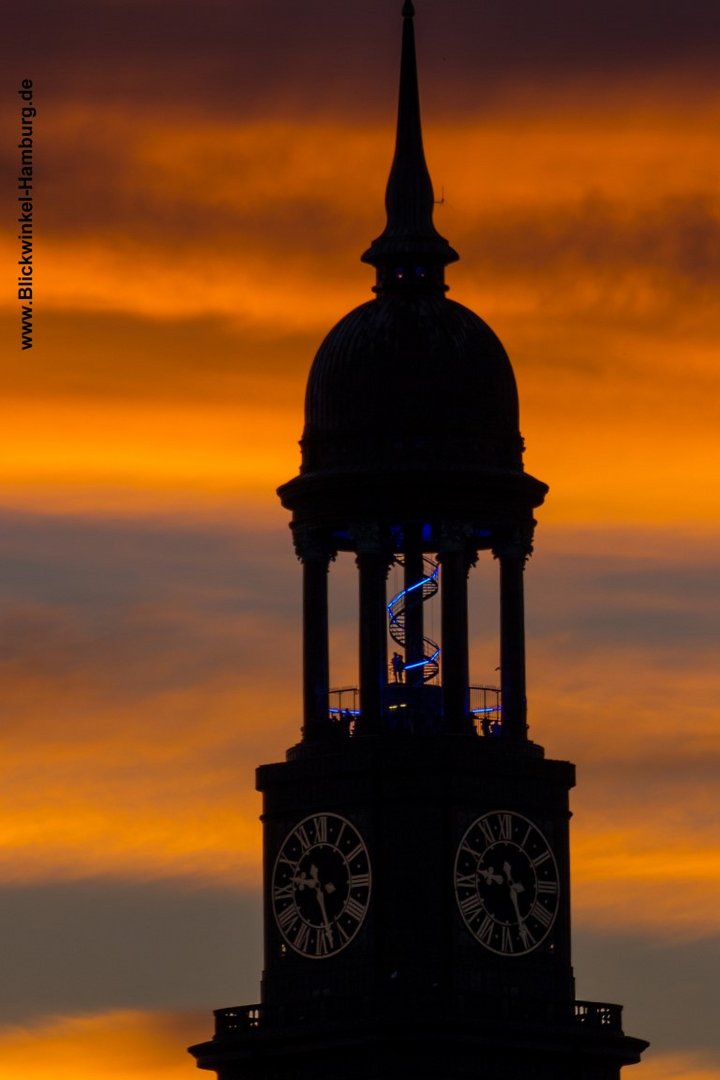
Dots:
pixel 410 242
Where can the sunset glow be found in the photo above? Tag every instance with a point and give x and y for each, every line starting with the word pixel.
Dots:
pixel 200 221
pixel 131 1045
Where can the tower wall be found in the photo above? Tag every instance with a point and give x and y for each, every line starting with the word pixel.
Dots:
pixel 416 850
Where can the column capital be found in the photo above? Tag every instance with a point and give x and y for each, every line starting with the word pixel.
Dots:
pixel 311 545
pixel 371 538
pixel 457 537
pixel 517 544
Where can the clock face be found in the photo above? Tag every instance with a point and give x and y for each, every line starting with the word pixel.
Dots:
pixel 506 883
pixel 321 885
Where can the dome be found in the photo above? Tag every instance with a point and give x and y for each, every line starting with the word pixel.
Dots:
pixel 411 379
pixel 411 409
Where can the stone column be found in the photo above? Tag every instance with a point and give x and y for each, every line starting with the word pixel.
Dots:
pixel 414 572
pixel 373 562
pixel 315 558
pixel 455 561
pixel 512 556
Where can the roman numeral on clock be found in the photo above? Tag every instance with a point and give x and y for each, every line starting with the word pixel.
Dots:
pixel 323 942
pixel 525 936
pixel 287 917
pixel 284 892
pixel 505 826
pixel 466 881
pixel 354 909
pixel 486 829
pixel 320 825
pixel 503 866
pixel 342 933
pixel 543 916
pixel 549 887
pixel 485 931
pixel 303 838
pixel 321 885
pixel 471 905
pixel 301 938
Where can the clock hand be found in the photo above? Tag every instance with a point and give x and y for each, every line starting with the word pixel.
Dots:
pixel 303 881
pixel 321 905
pixel 515 888
pixel 323 911
pixel 313 881
pixel 489 875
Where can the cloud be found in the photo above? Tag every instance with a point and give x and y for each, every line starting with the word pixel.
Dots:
pixel 621 592
pixel 88 947
pixel 120 1045
pixel 123 358
pixel 257 57
pixel 200 217
pixel 181 946
pixel 588 245
pixel 149 687
pixel 678 1067
pixel 207 187
pixel 134 1045
pixel 136 674
pixel 92 946
pixel 91 599
pixel 150 665
pixel 622 638
pixel 665 995
pixel 676 1013
pixel 657 246
pixel 118 457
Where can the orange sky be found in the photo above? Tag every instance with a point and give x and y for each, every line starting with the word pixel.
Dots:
pixel 191 253
pixel 122 1045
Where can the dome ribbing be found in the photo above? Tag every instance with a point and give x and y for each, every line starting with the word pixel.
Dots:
pixel 411 379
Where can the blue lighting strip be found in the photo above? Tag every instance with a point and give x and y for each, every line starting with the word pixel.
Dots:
pixel 421 663
pixel 396 620
pixel 418 585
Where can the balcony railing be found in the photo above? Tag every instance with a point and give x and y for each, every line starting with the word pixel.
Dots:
pixel 595 1014
pixel 486 710
pixel 416 708
pixel 246 1019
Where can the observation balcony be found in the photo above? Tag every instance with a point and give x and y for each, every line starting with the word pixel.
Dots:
pixel 417 709
pixel 522 1012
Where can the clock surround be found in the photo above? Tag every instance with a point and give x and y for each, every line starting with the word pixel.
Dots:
pixel 412 448
pixel 321 885
pixel 507 883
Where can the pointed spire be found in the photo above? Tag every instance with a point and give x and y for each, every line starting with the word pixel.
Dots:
pixel 410 240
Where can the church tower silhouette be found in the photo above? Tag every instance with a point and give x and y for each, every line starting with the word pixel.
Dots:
pixel 416 867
